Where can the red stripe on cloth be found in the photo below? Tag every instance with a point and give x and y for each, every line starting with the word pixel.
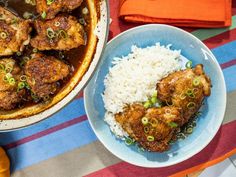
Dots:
pixel 221 39
pixel 223 142
pixel 80 95
pixel 228 64
pixel 45 132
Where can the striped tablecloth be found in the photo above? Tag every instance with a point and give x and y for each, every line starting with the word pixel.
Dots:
pixel 65 146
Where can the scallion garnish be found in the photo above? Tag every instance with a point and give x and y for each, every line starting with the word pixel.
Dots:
pixel 49 2
pixel 144 120
pixel 128 141
pixel 189 64
pixel 153 122
pixel 150 138
pixel 50 33
pixel 196 81
pixel 189 130
pixel 62 34
pixel 44 15
pixel 12 81
pixel 146 129
pixel 147 104
pixel 57 24
pixel 173 124
pixel 3 35
pixel 191 105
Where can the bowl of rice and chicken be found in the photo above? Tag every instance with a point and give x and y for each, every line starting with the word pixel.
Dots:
pixel 158 96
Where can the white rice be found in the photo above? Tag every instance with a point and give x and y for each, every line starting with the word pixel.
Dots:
pixel 133 78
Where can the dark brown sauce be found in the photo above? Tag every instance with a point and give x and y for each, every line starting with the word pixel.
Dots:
pixel 73 57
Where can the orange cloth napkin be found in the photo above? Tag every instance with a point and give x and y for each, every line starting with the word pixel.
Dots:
pixel 4 164
pixel 188 13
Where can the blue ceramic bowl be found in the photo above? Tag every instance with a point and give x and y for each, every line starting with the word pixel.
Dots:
pixel 212 112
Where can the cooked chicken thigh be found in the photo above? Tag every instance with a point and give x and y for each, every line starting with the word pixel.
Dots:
pixel 60 33
pixel 52 7
pixel 43 72
pixel 185 89
pixel 9 77
pixel 153 128
pixel 14 33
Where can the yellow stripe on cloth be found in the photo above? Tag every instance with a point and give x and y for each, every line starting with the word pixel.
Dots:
pixel 4 164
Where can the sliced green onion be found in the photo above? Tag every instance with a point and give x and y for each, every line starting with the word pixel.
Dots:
pixel 189 130
pixel 150 138
pixel 8 68
pixel 12 81
pixel 146 129
pixel 147 104
pixel 34 97
pixel 182 96
pixel 196 81
pixel 189 64
pixel 27 86
pixel 155 94
pixel 189 92
pixel 18 53
pixel 21 85
pixel 50 33
pixel 82 21
pixel 35 50
pixel 44 15
pixel 46 98
pixel 7 77
pixel 57 24
pixel 2 67
pixel 153 122
pixel 154 100
pixel 144 120
pixel 173 124
pixel 85 11
pixel 49 2
pixel 128 141
pixel 191 105
pixel 3 35
pixel 23 78
pixel 62 34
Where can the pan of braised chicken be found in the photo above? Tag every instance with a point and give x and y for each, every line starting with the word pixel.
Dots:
pixel 48 51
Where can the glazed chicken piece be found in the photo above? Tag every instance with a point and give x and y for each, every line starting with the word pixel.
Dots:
pixel 10 75
pixel 43 72
pixel 52 7
pixel 185 89
pixel 60 33
pixel 159 129
pixel 14 33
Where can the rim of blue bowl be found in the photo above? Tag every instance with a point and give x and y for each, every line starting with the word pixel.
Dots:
pixel 86 95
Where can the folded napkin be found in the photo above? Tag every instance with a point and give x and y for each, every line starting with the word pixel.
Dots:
pixel 188 13
pixel 4 164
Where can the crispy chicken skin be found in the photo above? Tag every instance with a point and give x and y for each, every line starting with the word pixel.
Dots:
pixel 14 33
pixel 185 89
pixel 9 95
pixel 60 33
pixel 160 125
pixel 43 72
pixel 51 9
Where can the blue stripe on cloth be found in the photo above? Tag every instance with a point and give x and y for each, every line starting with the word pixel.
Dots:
pixel 51 145
pixel 226 52
pixel 67 113
pixel 230 78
